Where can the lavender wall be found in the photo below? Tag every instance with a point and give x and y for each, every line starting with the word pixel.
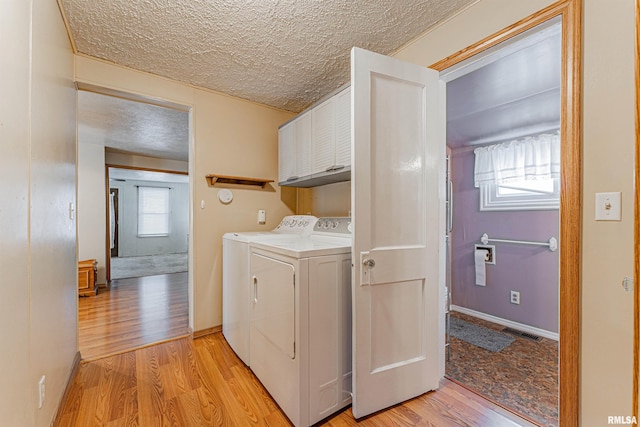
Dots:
pixel 531 270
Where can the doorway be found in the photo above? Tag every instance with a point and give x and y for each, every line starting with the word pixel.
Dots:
pixel 146 139
pixel 570 13
pixel 503 121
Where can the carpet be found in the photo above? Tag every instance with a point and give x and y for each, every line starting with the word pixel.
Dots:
pixel 140 266
pixel 479 335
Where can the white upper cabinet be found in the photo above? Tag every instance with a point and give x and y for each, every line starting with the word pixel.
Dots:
pixel 287 152
pixel 320 152
pixel 343 127
pixel 323 137
pixel 303 145
pixel 294 149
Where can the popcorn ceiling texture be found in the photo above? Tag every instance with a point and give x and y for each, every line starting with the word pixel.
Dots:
pixel 283 53
pixel 131 126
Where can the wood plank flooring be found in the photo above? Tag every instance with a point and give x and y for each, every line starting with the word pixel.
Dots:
pixel 132 313
pixel 201 382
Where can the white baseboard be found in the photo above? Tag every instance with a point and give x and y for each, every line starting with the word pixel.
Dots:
pixel 508 323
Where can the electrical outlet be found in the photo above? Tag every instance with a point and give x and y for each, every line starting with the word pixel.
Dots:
pixel 41 385
pixel 515 297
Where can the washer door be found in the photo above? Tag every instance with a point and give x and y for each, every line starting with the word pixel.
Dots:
pixel 273 302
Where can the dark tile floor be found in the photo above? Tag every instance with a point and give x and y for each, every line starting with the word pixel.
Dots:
pixel 522 377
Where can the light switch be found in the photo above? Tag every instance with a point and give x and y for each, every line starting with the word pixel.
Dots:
pixel 608 206
pixel 262 216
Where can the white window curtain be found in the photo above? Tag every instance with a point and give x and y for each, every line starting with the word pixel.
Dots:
pixel 531 158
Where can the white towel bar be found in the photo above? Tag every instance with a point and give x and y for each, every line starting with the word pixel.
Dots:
pixel 552 243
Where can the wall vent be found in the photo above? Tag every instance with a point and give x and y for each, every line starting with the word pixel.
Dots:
pixel 521 334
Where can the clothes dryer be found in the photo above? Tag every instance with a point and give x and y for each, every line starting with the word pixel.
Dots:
pixel 300 330
pixel 235 277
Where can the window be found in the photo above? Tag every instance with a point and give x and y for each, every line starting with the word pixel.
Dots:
pixel 520 195
pixel 519 175
pixel 153 211
pixel 543 186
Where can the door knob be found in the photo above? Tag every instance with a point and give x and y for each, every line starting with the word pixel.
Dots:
pixel 369 263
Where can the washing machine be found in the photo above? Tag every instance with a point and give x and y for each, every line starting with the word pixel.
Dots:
pixel 235 277
pixel 300 329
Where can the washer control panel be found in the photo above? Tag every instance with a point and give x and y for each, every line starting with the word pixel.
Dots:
pixel 296 224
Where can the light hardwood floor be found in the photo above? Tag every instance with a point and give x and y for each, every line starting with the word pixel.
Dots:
pixel 201 382
pixel 132 313
pixel 184 382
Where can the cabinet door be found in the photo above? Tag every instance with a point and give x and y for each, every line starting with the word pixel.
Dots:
pixel 323 137
pixel 287 152
pixel 343 128
pixel 303 145
pixel 83 279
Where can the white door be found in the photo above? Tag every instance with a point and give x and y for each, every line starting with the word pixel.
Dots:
pixel 398 239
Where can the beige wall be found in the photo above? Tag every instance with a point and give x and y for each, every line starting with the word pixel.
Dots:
pixel 328 200
pixel 608 165
pixel 121 159
pixel 608 152
pixel 53 290
pixel 230 137
pixel 92 206
pixel 15 399
pixel 38 250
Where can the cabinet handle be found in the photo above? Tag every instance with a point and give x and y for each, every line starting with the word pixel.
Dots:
pixel 292 178
pixel 334 168
pixel 255 290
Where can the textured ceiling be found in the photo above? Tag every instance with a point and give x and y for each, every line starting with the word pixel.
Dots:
pixel 283 53
pixel 290 53
pixel 133 127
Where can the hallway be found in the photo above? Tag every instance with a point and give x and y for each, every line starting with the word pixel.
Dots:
pixel 133 313
pixel 202 382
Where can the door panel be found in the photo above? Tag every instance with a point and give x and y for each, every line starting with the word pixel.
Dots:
pixel 398 210
pixel 390 349
pixel 397 161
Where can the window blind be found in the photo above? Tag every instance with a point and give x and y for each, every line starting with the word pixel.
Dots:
pixel 153 211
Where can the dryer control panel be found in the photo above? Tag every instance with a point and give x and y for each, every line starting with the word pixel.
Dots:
pixel 333 225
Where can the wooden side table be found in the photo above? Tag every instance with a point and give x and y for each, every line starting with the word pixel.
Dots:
pixel 87 275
